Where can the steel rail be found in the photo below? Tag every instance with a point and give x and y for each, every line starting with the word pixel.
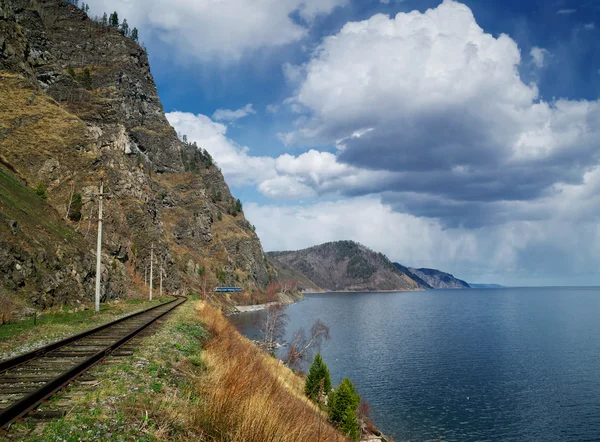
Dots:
pixel 17 360
pixel 32 400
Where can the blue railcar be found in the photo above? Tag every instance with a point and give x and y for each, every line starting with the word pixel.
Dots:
pixel 228 289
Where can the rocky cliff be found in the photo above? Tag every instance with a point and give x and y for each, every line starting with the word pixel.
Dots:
pixel 77 103
pixel 433 278
pixel 345 266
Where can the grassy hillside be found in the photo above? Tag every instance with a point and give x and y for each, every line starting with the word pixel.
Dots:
pixel 196 379
pixel 345 266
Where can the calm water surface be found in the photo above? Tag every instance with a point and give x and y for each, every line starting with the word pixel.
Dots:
pixel 467 365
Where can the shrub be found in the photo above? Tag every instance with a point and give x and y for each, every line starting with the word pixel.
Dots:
pixel 245 395
pixel 85 78
pixel 40 190
pixel 318 381
pixel 76 206
pixel 221 276
pixel 7 308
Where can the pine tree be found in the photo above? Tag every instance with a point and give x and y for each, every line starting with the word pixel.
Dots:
pixel 318 381
pixel 104 21
pixel 341 399
pixel 134 34
pixel 125 28
pixel 349 425
pixel 114 20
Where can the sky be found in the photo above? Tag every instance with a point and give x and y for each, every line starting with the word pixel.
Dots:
pixel 463 136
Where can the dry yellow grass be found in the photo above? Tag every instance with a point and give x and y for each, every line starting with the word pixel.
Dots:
pixel 35 126
pixel 247 396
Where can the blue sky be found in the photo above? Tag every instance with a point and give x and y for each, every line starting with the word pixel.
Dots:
pixel 456 135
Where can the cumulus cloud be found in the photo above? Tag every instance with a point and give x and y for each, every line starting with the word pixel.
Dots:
pixel 224 29
pixel 310 174
pixel 436 106
pixel 237 164
pixel 539 56
pixel 232 115
pixel 514 253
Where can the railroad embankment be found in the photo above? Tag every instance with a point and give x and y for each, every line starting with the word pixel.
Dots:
pixel 195 378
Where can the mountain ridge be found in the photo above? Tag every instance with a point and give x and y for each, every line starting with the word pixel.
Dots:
pixel 345 266
pixel 351 266
pixel 80 103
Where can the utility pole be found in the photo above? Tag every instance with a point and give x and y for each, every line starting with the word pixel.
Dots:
pixel 99 248
pixel 151 259
pixel 161 275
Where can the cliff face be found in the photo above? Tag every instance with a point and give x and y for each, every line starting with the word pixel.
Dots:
pixel 345 266
pixel 434 279
pixel 77 103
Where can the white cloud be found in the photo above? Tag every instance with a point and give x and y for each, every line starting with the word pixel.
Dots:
pixel 514 253
pixel 273 108
pixel 232 115
pixel 589 26
pixel 310 174
pixel 566 11
pixel 440 106
pixel 220 29
pixel 237 165
pixel 539 56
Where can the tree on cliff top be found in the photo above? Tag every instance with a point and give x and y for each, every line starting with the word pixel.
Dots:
pixel 125 28
pixel 114 20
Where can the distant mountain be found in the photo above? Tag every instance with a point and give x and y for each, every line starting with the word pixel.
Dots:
pixel 286 273
pixel 486 286
pixel 343 266
pixel 433 278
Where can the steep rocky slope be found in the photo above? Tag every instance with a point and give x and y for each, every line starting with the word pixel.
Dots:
pixel 434 278
pixel 77 103
pixel 286 273
pixel 345 266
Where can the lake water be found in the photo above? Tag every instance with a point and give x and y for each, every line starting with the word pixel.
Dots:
pixel 466 365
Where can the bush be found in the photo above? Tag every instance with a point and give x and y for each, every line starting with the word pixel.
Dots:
pixel 40 190
pixel 318 381
pixel 221 276
pixel 7 309
pixel 85 78
pixel 76 206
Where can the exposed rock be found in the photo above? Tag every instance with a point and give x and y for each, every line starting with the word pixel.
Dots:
pixel 67 132
pixel 434 278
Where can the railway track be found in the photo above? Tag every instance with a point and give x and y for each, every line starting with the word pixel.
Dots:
pixel 29 379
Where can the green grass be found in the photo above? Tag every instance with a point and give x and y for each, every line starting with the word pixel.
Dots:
pixel 143 397
pixel 22 204
pixel 58 323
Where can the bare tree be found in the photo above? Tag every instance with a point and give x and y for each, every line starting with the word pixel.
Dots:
pixel 272 326
pixel 302 346
pixel 70 199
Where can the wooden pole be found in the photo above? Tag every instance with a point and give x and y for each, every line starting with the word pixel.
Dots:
pixel 151 259
pixel 99 247
pixel 161 277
